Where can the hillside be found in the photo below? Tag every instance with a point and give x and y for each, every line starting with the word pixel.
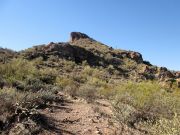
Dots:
pixel 81 48
pixel 85 87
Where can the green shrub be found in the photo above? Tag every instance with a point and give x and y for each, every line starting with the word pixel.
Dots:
pixel 17 69
pixel 137 102
pixel 88 92
pixel 68 85
pixel 163 126
pixel 141 93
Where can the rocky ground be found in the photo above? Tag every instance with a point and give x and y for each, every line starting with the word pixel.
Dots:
pixel 77 117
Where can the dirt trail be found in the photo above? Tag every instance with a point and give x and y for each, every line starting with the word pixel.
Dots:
pixel 77 117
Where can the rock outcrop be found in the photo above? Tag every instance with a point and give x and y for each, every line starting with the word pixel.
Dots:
pixel 177 74
pixel 178 82
pixel 132 55
pixel 135 56
pixel 164 73
pixel 77 35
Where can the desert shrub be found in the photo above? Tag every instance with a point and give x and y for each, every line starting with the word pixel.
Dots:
pixel 21 107
pixel 136 102
pixel 38 61
pixel 53 58
pixel 110 69
pixel 123 112
pixel 79 78
pixel 163 126
pixel 19 85
pixel 68 85
pixel 9 97
pixel 48 75
pixel 68 65
pixel 141 93
pixel 88 92
pixel 17 69
pixel 48 79
pixel 129 64
pixel 64 81
pixel 107 91
pixel 88 71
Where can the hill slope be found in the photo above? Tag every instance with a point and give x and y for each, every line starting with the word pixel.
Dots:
pixel 81 48
pixel 85 87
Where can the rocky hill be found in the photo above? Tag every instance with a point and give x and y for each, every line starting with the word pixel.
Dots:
pixel 125 64
pixel 86 87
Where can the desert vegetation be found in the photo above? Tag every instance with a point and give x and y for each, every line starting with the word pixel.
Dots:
pixel 142 96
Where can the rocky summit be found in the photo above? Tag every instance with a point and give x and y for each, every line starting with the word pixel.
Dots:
pixel 77 35
pixel 84 87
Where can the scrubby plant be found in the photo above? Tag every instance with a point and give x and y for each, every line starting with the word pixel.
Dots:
pixel 68 85
pixel 163 126
pixel 145 101
pixel 17 69
pixel 128 64
pixel 88 92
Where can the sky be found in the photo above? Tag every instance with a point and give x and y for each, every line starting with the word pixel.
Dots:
pixel 151 27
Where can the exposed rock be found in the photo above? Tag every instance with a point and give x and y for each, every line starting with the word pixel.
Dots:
pixel 168 83
pixel 132 55
pixel 178 82
pixel 136 56
pixel 164 73
pixel 163 69
pixel 77 35
pixel 147 69
pixel 19 129
pixel 6 55
pixel 177 74
pixel 147 63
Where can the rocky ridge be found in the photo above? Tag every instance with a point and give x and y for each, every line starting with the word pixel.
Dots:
pixel 81 47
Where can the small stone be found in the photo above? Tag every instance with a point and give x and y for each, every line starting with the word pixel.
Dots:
pixel 19 129
pixel 98 132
